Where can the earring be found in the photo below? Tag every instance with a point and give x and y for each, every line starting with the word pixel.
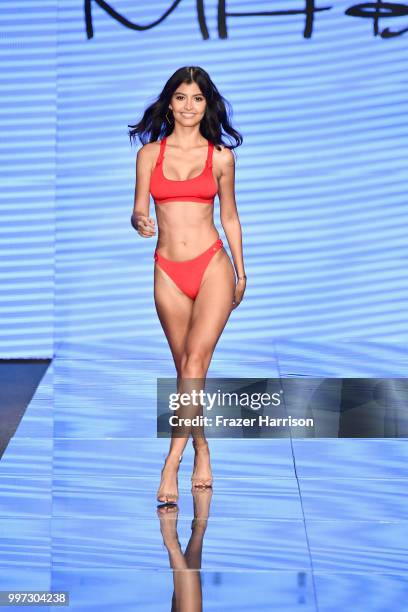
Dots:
pixel 168 120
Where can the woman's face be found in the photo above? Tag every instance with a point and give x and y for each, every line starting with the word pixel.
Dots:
pixel 188 104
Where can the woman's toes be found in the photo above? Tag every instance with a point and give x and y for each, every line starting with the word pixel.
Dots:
pixel 202 485
pixel 171 508
pixel 170 498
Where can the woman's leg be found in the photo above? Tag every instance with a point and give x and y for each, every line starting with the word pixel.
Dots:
pixel 187 594
pixel 174 310
pixel 194 549
pixel 192 330
pixel 210 313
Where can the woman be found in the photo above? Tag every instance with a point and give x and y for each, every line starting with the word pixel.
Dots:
pixel 195 288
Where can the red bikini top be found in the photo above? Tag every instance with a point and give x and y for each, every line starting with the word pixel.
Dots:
pixel 201 188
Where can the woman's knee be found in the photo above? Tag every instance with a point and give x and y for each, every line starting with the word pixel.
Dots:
pixel 194 364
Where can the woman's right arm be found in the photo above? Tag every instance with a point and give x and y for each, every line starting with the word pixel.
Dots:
pixel 140 219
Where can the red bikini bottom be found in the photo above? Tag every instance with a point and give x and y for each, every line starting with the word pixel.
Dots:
pixel 187 275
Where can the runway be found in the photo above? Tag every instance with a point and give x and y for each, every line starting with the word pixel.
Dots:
pixel 291 523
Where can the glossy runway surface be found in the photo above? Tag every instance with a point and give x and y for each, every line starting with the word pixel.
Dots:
pixel 291 524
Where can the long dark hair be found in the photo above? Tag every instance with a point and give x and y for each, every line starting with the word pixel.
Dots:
pixel 218 112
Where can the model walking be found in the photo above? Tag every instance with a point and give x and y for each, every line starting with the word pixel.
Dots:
pixel 195 288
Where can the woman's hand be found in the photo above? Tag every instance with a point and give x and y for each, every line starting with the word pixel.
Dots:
pixel 144 225
pixel 239 292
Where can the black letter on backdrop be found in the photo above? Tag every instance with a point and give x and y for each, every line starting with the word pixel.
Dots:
pixel 133 26
pixel 309 11
pixel 375 10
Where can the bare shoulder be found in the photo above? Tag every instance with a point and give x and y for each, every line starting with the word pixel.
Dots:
pixel 148 153
pixel 150 149
pixel 225 157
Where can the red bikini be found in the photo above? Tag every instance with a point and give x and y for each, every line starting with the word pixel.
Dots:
pixel 188 274
pixel 201 188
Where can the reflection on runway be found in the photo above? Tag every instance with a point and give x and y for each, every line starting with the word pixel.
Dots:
pixel 187 594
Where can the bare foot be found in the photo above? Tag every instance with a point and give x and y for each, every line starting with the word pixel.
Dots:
pixel 168 489
pixel 202 502
pixel 202 475
pixel 168 525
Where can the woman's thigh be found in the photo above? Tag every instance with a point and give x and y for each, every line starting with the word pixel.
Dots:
pixel 212 306
pixel 174 310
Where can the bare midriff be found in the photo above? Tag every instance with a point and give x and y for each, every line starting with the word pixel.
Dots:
pixel 185 229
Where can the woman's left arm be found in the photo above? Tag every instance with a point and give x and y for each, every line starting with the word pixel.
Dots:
pixel 230 219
